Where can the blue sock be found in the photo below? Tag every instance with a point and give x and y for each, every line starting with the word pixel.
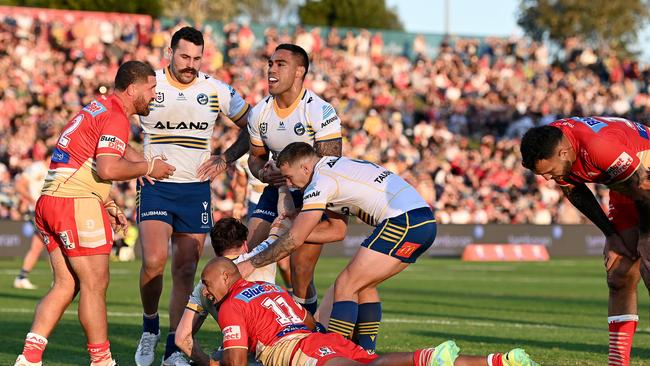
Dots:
pixel 311 306
pixel 151 324
pixel 343 318
pixel 170 345
pixel 368 325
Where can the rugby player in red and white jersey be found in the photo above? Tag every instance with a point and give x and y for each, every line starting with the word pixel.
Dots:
pixel 614 152
pixel 262 318
pixel 75 216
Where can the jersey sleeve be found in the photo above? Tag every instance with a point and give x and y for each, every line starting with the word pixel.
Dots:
pixel 231 102
pixel 325 122
pixel 318 193
pixel 617 161
pixel 196 301
pixel 254 127
pixel 113 136
pixel 233 326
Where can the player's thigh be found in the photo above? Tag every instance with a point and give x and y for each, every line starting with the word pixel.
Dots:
pixel 154 239
pixel 340 361
pixel 331 349
pixel 63 273
pixel 92 271
pixel 187 247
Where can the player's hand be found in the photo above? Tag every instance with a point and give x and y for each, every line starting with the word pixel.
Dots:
pixel 212 167
pixel 271 174
pixel 118 220
pixel 281 225
pixel 159 169
pixel 614 250
pixel 245 268
pixel 148 178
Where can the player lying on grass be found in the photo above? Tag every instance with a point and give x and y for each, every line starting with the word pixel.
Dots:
pixel 263 318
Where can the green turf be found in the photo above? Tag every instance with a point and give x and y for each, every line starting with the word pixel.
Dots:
pixel 557 311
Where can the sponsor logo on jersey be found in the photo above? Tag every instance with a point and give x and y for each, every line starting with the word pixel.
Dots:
pixel 592 123
pixel 60 156
pixel 160 97
pixel 299 129
pixel 383 176
pixel 328 121
pixel 264 212
pixel 154 213
pixel 312 194
pixel 231 90
pixel 281 126
pixel 202 99
pixel 263 128
pixel 182 125
pixel 328 111
pixel 257 290
pixel 324 351
pixel 231 333
pixel 620 165
pixel 111 142
pixel 66 239
pixel 95 108
pixel 181 96
pixel 205 205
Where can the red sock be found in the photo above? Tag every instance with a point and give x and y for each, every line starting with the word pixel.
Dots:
pixel 495 359
pixel 100 353
pixel 422 357
pixel 621 335
pixel 34 347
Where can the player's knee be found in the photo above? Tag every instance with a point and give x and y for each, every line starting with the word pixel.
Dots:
pixel 622 277
pixel 154 263
pixel 185 270
pixel 345 284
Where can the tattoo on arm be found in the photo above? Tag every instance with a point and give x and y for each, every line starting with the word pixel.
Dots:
pixel 279 249
pixel 238 148
pixel 582 198
pixel 329 148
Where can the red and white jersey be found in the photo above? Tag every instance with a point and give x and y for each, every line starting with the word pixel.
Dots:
pixel 256 315
pixel 100 128
pixel 608 150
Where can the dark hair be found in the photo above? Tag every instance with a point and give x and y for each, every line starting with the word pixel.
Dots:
pixel 303 58
pixel 132 72
pixel 189 34
pixel 539 143
pixel 228 233
pixel 295 151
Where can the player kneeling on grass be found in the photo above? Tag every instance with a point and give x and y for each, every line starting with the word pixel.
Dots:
pixel 262 317
pixel 228 237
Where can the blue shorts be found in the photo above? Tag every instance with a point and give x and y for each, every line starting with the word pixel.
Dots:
pixel 267 207
pixel 184 206
pixel 404 237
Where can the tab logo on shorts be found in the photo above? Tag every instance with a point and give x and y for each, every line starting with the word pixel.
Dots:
pixel 66 239
pixel 620 165
pixel 111 142
pixel 231 333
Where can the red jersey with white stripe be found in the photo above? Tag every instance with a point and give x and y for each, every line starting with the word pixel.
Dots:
pixel 256 315
pixel 100 128
pixel 608 150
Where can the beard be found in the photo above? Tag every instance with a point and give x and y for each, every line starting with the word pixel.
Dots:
pixel 142 106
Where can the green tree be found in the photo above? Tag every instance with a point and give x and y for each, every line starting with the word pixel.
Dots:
pixel 611 23
pixel 200 10
pixel 349 13
pixel 151 7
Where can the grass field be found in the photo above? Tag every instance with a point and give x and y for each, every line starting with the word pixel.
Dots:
pixel 556 310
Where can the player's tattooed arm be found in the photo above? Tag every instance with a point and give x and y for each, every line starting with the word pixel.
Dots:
pixel 279 249
pixel 238 148
pixel 330 147
pixel 582 198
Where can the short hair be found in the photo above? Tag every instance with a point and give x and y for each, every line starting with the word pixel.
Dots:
pixel 539 143
pixel 132 72
pixel 227 233
pixel 303 58
pixel 189 34
pixel 294 152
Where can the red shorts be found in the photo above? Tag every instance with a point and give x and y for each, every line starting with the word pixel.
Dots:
pixel 79 226
pixel 622 211
pixel 322 347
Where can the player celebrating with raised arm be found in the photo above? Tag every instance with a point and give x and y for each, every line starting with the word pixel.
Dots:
pixel 262 318
pixel 180 126
pixel 405 228
pixel 291 113
pixel 74 213
pixel 614 152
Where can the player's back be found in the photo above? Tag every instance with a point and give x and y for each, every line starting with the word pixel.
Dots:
pixel 259 314
pixel 100 128
pixel 361 188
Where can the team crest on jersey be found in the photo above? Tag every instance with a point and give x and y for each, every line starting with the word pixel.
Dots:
pixel 202 99
pixel 263 127
pixel 299 129
pixel 325 351
pixel 160 97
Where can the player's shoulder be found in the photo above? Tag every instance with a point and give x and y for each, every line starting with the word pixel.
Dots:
pixel 220 85
pixel 317 106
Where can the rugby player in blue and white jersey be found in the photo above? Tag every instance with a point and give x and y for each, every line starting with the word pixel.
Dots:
pixel 180 126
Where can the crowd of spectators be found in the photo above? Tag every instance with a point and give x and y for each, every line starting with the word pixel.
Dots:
pixel 449 124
